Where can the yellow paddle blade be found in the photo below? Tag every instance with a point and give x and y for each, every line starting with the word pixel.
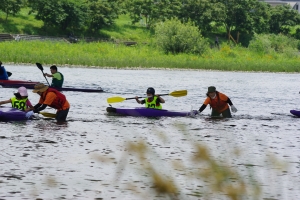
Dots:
pixel 179 93
pixel 115 99
pixel 50 115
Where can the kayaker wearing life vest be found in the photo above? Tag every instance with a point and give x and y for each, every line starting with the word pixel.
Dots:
pixel 3 72
pixel 20 101
pixel 152 100
pixel 218 102
pixel 57 77
pixel 52 98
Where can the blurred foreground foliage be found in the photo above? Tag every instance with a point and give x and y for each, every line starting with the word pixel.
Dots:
pixel 214 177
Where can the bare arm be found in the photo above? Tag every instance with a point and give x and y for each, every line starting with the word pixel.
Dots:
pixel 137 100
pixel 4 102
pixel 161 99
pixel 48 75
pixel 29 109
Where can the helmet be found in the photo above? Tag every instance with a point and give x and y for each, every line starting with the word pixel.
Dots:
pixel 150 90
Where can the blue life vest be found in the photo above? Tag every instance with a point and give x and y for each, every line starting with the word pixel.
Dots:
pixel 3 73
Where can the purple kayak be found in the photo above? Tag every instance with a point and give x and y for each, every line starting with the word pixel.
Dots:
pixel 295 112
pixel 11 114
pixel 149 112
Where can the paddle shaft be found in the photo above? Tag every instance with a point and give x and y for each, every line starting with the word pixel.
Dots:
pixel 146 97
pixel 179 93
pixel 42 70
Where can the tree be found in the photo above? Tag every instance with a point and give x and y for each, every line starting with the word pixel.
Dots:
pixel 10 7
pixel 282 16
pixel 247 16
pixel 202 13
pixel 60 13
pixel 152 10
pixel 102 13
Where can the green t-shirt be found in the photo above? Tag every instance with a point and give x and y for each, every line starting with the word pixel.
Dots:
pixel 57 76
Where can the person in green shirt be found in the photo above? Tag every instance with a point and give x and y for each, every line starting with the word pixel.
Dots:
pixel 57 77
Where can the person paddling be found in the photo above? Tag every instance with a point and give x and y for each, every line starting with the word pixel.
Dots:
pixel 57 77
pixel 3 72
pixel 20 101
pixel 52 98
pixel 218 102
pixel 152 100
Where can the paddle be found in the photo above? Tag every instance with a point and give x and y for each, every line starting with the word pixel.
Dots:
pixel 179 93
pixel 9 74
pixel 50 115
pixel 39 65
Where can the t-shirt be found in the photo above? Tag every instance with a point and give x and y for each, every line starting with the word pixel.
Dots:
pixel 28 104
pixel 57 76
pixel 50 97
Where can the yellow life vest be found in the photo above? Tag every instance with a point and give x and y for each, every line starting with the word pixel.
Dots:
pixel 152 104
pixel 18 103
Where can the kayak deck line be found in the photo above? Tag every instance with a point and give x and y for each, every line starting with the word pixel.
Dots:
pixel 149 112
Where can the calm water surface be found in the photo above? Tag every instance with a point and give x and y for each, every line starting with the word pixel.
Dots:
pixel 81 160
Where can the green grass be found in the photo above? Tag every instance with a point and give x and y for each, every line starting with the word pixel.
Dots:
pixel 123 29
pixel 144 56
pixel 22 23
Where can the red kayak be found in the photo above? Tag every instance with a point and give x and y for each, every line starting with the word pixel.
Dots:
pixel 12 82
pixel 30 85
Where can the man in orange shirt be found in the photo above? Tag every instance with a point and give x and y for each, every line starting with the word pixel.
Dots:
pixel 218 102
pixel 52 98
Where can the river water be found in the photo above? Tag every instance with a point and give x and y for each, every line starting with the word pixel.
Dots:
pixel 88 158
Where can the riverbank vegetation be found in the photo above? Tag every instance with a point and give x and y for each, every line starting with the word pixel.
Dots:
pixel 168 34
pixel 261 56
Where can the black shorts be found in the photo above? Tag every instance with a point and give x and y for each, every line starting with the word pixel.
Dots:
pixel 61 115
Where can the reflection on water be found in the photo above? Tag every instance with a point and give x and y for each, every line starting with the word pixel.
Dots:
pixel 42 159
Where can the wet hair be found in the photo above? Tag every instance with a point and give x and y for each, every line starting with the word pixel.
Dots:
pixel 53 67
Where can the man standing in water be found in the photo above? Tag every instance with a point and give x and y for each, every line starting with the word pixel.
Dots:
pixel 57 77
pixel 52 98
pixel 218 102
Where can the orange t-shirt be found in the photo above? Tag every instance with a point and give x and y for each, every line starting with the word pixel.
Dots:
pixel 222 97
pixel 50 98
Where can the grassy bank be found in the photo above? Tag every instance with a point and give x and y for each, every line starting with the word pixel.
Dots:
pixel 114 55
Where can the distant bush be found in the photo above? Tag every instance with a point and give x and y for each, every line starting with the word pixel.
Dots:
pixel 297 34
pixel 175 37
pixel 268 43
